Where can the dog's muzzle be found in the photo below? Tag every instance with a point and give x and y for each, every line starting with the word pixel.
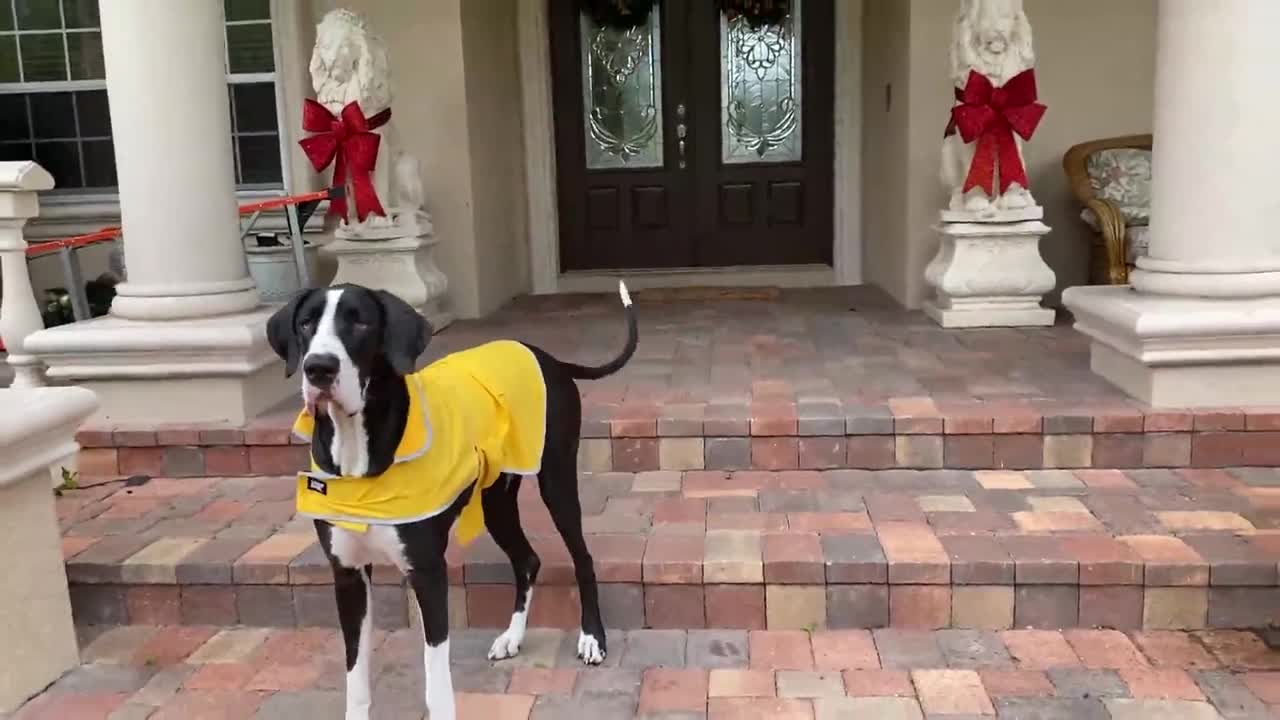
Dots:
pixel 321 370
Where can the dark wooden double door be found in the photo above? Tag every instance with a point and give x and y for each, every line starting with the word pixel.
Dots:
pixel 693 141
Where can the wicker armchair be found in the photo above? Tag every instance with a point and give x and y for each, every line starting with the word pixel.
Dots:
pixel 1109 260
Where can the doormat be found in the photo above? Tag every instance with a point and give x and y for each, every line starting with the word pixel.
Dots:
pixel 704 294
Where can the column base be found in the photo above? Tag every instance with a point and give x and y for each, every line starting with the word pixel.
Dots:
pixel 403 266
pixel 1181 352
pixel 989 275
pixel 156 302
pixel 217 370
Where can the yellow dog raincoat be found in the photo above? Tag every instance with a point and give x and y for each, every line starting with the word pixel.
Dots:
pixel 473 415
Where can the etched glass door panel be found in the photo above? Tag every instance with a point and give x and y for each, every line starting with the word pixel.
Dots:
pixel 763 137
pixel 693 139
pixel 760 84
pixel 622 94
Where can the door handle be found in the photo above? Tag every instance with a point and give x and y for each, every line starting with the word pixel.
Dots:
pixel 681 132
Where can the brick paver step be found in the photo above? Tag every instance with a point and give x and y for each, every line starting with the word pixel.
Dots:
pixel 162 673
pixel 794 383
pixel 903 433
pixel 1155 549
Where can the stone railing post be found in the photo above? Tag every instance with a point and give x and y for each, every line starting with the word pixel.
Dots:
pixel 19 314
pixel 35 608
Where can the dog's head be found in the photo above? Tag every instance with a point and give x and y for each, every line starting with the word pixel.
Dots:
pixel 344 337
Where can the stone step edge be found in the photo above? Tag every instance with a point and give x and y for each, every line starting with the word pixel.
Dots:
pixel 728 606
pixel 1059 570
pixel 782 419
pixel 233 454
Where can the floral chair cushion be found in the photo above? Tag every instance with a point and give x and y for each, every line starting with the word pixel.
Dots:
pixel 1123 176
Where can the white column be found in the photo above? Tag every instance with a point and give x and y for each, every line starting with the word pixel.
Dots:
pixel 1201 324
pixel 1214 198
pixel 170 119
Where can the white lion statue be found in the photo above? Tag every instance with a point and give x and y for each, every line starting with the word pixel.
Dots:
pixel 350 63
pixel 993 38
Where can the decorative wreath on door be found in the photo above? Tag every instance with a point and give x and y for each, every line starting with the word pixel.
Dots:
pixel 618 14
pixel 758 13
pixel 628 14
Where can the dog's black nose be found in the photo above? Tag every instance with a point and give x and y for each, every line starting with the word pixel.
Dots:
pixel 321 370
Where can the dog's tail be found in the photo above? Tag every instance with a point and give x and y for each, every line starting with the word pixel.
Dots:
pixel 582 372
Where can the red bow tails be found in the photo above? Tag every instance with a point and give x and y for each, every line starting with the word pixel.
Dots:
pixel 349 139
pixel 991 115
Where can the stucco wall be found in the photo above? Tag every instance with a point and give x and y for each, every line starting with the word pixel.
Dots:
pixel 1096 65
pixel 885 142
pixel 489 46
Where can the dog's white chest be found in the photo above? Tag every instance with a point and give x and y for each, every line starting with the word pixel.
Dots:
pixel 378 544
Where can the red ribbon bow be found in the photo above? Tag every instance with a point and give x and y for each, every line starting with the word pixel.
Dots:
pixel 348 139
pixel 991 115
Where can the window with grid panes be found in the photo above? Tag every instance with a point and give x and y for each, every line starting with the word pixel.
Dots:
pixel 53 98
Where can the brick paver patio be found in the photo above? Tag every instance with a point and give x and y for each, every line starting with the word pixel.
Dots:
pixel 201 673
pixel 1181 549
pixel 1081 556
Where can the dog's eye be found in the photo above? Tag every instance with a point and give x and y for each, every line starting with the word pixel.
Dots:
pixel 360 326
pixel 308 326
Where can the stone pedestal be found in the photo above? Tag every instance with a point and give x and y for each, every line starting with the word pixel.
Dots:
pixel 35 608
pixel 403 266
pixel 989 274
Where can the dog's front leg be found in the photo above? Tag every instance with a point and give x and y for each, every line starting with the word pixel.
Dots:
pixel 431 588
pixel 353 590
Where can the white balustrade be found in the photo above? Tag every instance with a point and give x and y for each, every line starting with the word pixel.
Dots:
pixel 38 636
pixel 19 314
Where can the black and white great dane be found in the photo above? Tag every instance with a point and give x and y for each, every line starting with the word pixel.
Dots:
pixel 355 345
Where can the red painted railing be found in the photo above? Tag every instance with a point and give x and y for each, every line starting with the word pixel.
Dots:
pixel 109 234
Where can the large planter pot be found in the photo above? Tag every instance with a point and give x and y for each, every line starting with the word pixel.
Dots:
pixel 273 271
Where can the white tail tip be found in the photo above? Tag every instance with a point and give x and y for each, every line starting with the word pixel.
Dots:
pixel 626 296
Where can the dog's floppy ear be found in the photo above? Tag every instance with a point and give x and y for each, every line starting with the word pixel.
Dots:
pixel 282 332
pixel 405 333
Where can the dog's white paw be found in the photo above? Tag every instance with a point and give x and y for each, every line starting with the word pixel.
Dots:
pixel 589 649
pixel 507 645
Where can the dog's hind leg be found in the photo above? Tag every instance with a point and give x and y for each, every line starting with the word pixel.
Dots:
pixel 353 591
pixel 502 518
pixel 558 483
